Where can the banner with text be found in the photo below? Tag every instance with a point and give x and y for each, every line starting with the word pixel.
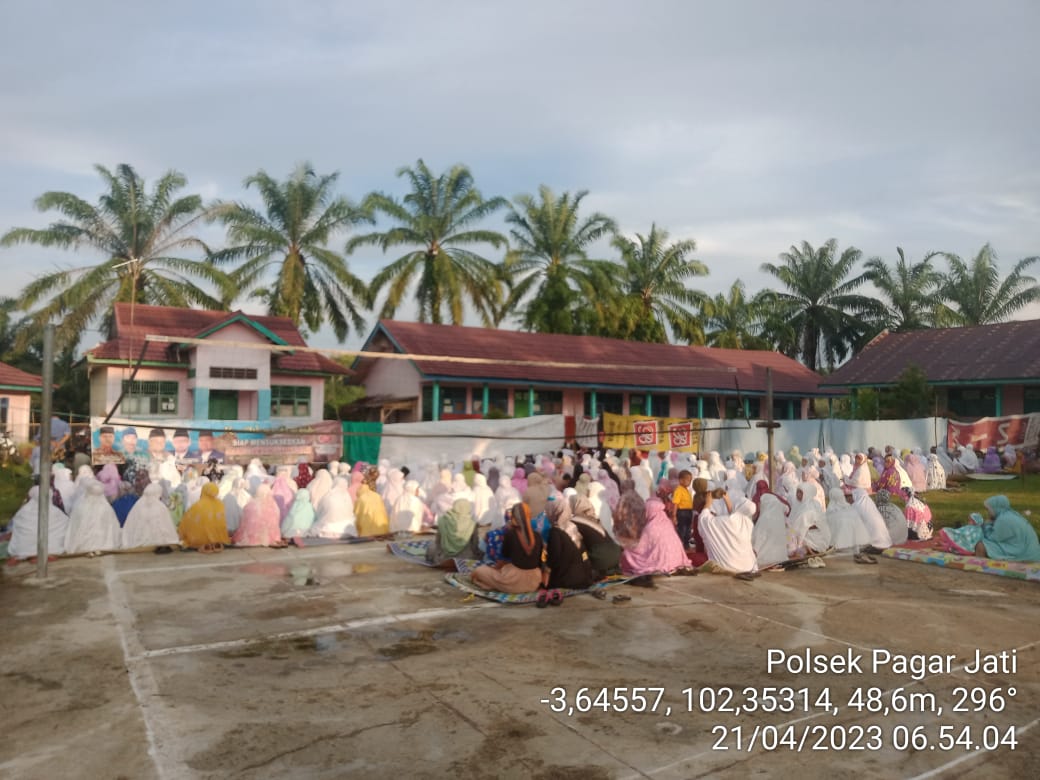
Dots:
pixel 650 433
pixel 1017 429
pixel 193 442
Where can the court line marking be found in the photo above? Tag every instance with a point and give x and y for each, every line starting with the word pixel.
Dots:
pixel 806 717
pixel 968 756
pixel 142 681
pixel 379 620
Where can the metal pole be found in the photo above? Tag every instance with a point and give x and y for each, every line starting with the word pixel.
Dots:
pixel 43 519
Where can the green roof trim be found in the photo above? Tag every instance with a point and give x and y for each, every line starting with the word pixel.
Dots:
pixel 22 388
pixel 131 362
pixel 245 320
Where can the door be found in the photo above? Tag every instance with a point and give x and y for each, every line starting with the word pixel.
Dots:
pixel 223 404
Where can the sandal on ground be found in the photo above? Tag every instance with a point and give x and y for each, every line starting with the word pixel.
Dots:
pixel 599 594
pixel 746 576
pixel 543 599
pixel 871 550
pixel 864 558
pixel 645 581
pixel 685 572
pixel 621 598
pixel 555 597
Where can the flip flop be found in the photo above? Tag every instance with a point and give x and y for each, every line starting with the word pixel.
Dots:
pixel 599 594
pixel 864 558
pixel 621 598
pixel 746 576
pixel 543 599
pixel 555 597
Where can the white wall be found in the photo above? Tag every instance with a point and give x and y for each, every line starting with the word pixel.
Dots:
pixel 213 353
pixel 396 378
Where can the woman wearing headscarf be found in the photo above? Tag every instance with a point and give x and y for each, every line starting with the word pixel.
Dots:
pixel 457 535
pixel 769 537
pixel 485 508
pixel 124 502
pixel 808 532
pixel 935 479
pixel 604 552
pixel 300 517
pixel 519 568
pixel 847 530
pixel 319 486
pixel 873 522
pixel 255 475
pixel 109 477
pixel 1005 535
pixel 370 512
pixel 894 520
pixel 567 560
pixel 261 521
pixel 460 489
pixel 25 524
pixel 519 479
pixel 283 490
pixel 303 475
pixel 701 499
pixel 64 485
pixel 149 523
pixel 915 469
pixel 93 526
pixel 203 526
pixel 990 461
pixel 234 502
pixel 408 511
pixel 656 549
pixel 728 531
pixel 393 489
pixel 918 517
pixel 335 516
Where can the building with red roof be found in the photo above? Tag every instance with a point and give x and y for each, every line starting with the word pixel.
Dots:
pixel 16 391
pixel 456 371
pixel 977 371
pixel 207 365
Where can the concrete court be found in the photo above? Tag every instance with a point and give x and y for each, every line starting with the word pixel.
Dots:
pixel 231 666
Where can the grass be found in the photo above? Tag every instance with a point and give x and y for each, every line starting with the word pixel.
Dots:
pixel 952 508
pixel 15 481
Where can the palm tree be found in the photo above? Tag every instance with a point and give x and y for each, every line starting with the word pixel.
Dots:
pixel 140 236
pixel 436 220
pixel 908 288
pixel 734 322
pixel 652 276
pixel 290 237
pixel 977 293
pixel 820 305
pixel 549 257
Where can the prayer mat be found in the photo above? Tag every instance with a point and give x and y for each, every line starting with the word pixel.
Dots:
pixel 1019 570
pixel 991 477
pixel 463 582
pixel 414 551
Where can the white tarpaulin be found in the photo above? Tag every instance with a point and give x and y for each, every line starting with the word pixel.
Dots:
pixel 839 435
pixel 453 441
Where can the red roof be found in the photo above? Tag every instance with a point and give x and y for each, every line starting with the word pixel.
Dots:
pixel 594 361
pixel 15 377
pixel 190 323
pixel 1009 350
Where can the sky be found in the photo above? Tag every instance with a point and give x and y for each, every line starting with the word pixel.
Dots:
pixel 748 126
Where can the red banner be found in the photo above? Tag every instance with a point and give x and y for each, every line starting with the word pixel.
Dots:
pixel 1017 429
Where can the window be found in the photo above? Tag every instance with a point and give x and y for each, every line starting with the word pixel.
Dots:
pixel 605 402
pixel 290 400
pixel 219 372
pixel 735 407
pixel 4 404
pixel 452 401
pixel 971 402
pixel 548 402
pixel 660 405
pixel 1030 400
pixel 498 401
pixel 691 407
pixel 144 399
